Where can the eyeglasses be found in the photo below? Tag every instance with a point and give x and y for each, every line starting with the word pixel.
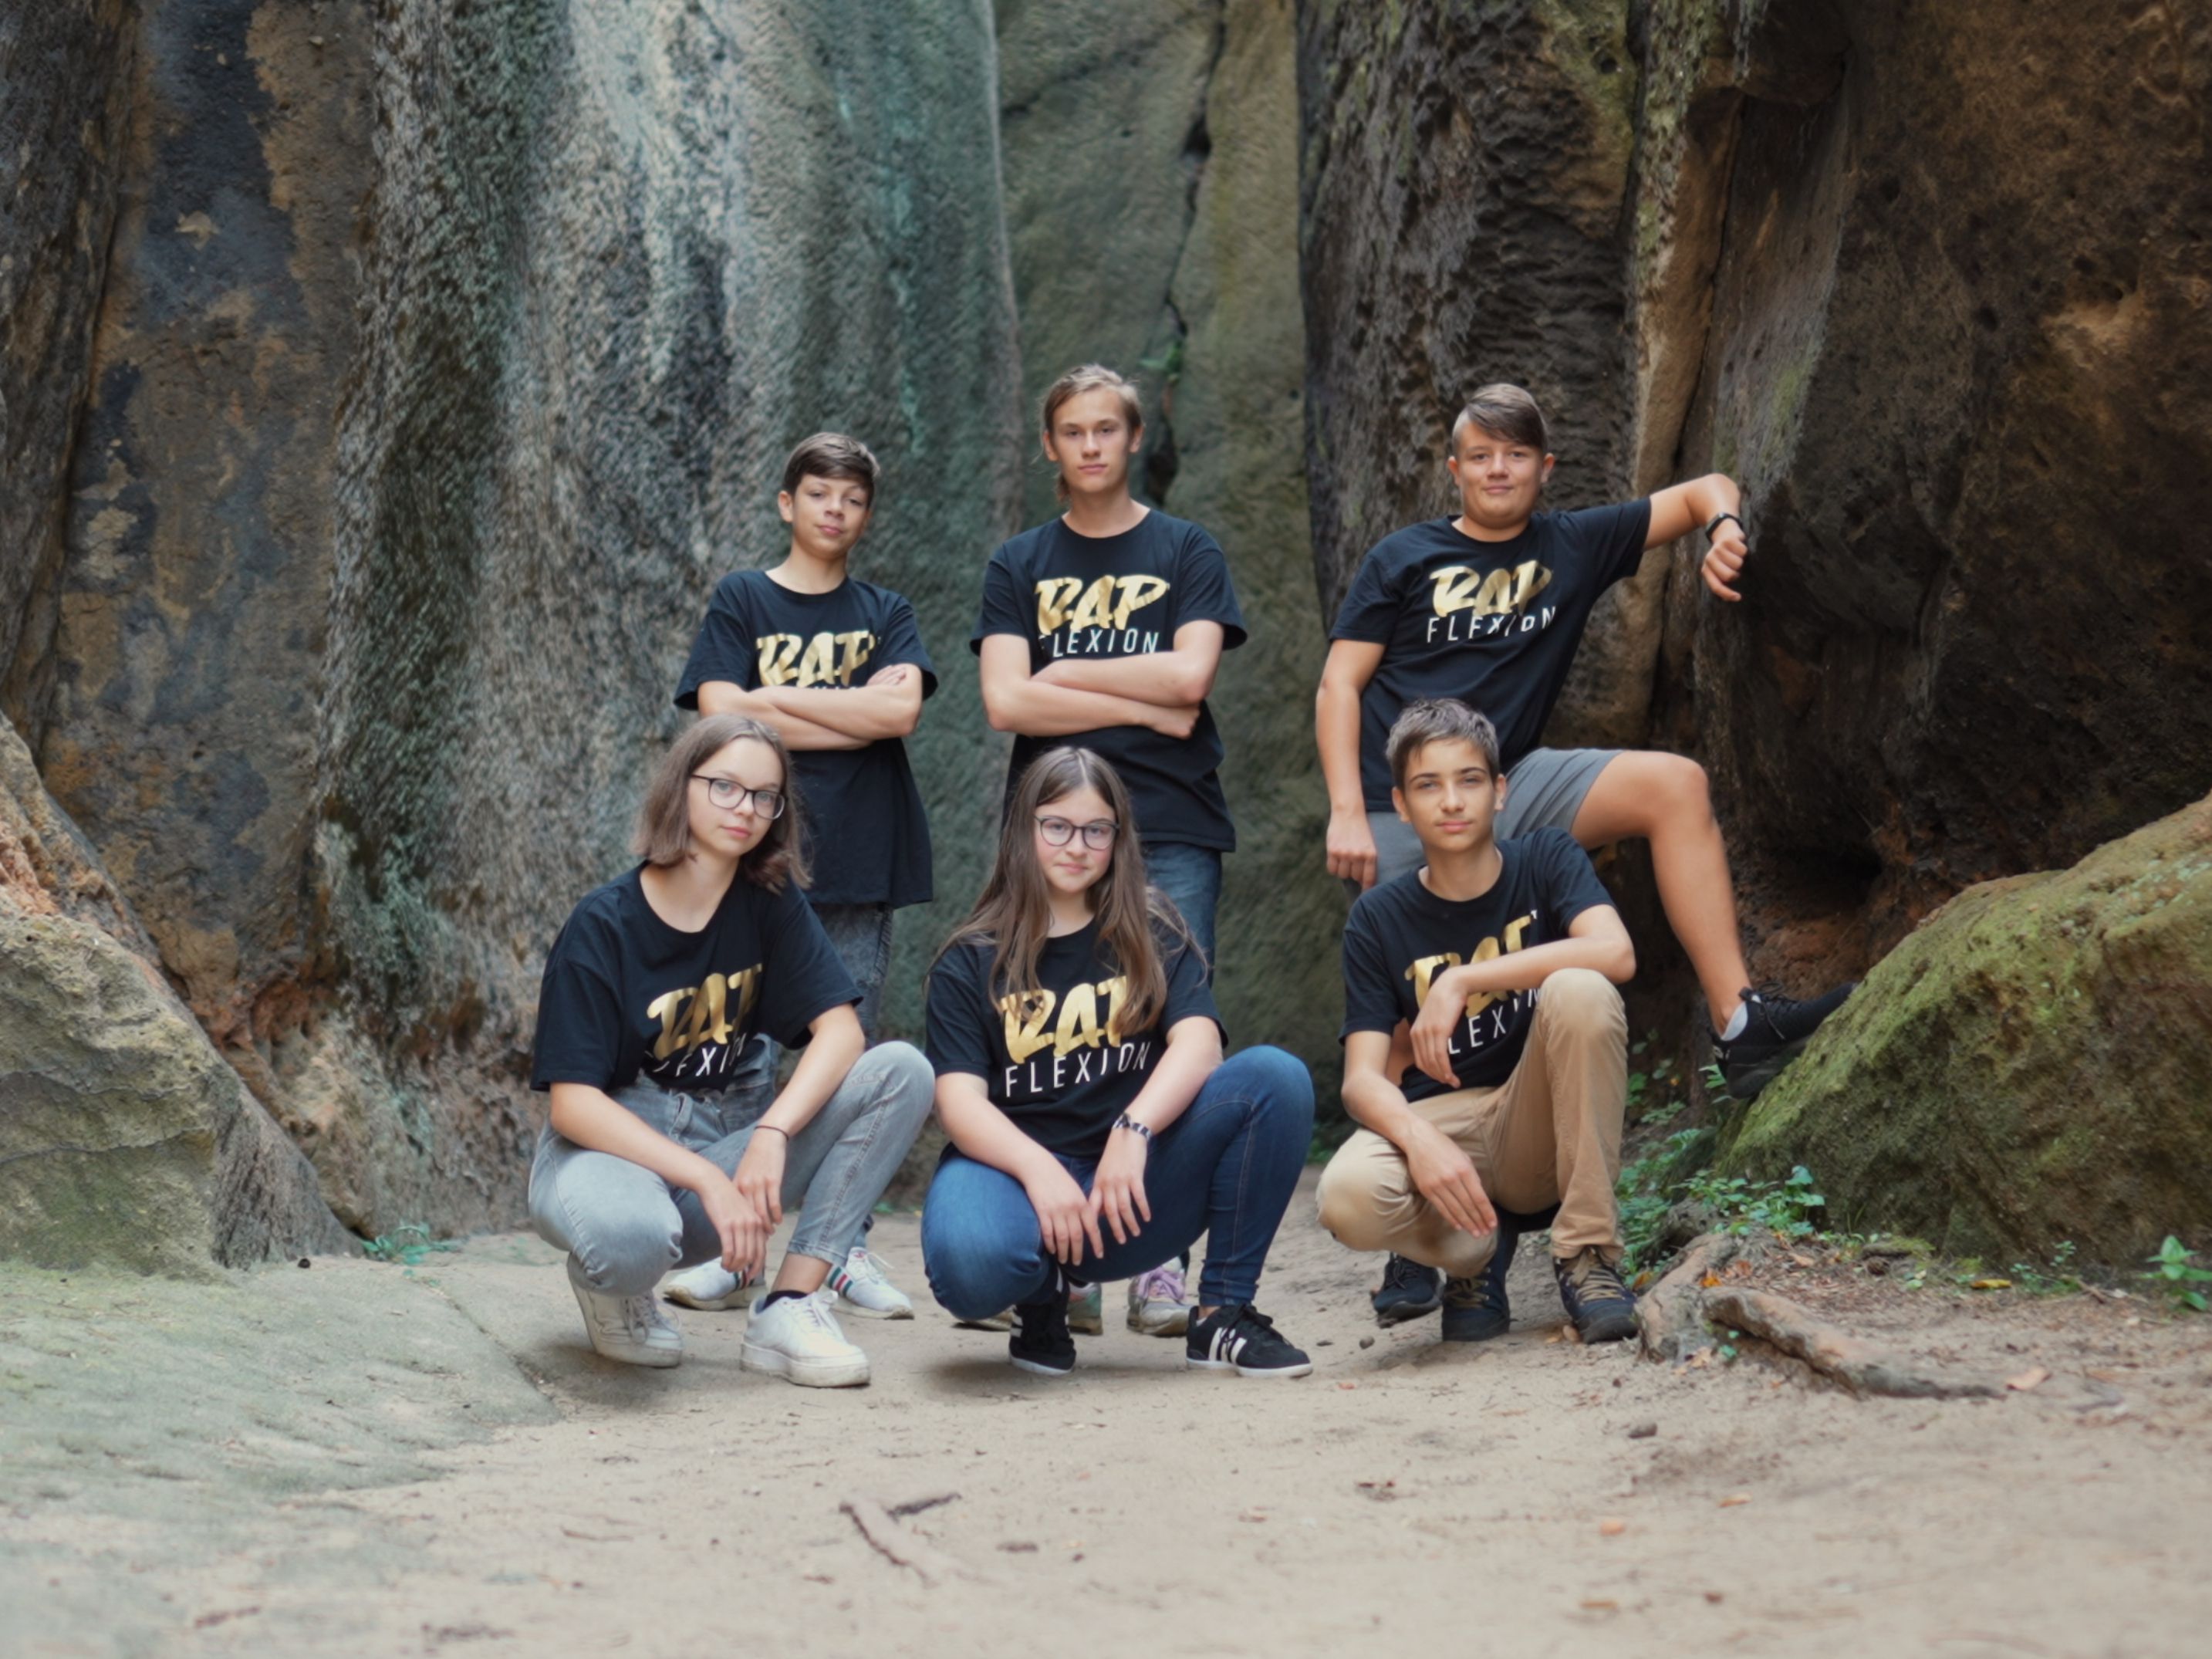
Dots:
pixel 728 792
pixel 1097 836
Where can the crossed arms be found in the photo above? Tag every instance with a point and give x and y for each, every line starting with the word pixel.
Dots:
pixel 1161 689
pixel 823 717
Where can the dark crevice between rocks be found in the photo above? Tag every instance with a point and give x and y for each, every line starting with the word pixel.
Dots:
pixel 1162 462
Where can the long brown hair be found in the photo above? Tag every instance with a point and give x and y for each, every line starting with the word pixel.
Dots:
pixel 663 836
pixel 1014 915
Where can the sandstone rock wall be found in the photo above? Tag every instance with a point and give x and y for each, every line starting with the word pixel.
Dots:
pixel 448 356
pixel 1152 179
pixel 1928 281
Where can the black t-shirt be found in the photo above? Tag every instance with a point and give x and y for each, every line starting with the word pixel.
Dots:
pixel 1122 596
pixel 868 836
pixel 1492 623
pixel 1400 936
pixel 625 993
pixel 1053 1054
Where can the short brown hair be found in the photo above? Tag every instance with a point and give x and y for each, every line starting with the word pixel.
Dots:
pixel 1504 411
pixel 1090 377
pixel 1440 719
pixel 832 455
pixel 663 836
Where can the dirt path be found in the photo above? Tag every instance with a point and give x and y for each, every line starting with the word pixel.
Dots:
pixel 1404 1494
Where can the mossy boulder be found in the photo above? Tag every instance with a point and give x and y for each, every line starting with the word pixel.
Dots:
pixel 2034 1064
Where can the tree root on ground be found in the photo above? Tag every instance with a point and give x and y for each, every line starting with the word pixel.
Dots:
pixel 898 1545
pixel 1678 1315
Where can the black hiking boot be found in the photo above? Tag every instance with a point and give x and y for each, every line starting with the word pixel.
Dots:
pixel 1776 1030
pixel 1041 1344
pixel 1476 1309
pixel 1237 1337
pixel 1602 1308
pixel 1407 1290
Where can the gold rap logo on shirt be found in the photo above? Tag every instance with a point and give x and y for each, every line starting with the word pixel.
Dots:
pixel 1425 970
pixel 1027 1012
pixel 825 659
pixel 1109 602
pixel 1499 593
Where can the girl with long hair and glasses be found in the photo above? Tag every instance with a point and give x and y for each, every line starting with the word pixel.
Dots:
pixel 667 1144
pixel 1096 1129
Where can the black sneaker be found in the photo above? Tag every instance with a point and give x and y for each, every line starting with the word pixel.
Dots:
pixel 1041 1344
pixel 1239 1337
pixel 1408 1291
pixel 1776 1030
pixel 1603 1308
pixel 1476 1309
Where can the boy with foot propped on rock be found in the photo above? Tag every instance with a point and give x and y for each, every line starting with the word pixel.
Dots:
pixel 1498 960
pixel 1490 606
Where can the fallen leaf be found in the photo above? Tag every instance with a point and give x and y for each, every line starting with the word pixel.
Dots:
pixel 1599 1604
pixel 1734 1499
pixel 1990 1285
pixel 2028 1379
pixel 1612 1526
pixel 1347 1385
pixel 1710 1279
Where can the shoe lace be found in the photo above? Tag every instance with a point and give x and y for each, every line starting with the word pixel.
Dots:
pixel 1475 1293
pixel 863 1268
pixel 1597 1279
pixel 1400 1274
pixel 641 1315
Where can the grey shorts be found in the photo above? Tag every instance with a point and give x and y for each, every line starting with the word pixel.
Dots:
pixel 1543 792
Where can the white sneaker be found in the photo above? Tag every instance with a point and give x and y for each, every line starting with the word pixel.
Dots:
pixel 863 1283
pixel 630 1328
pixel 709 1286
pixel 799 1338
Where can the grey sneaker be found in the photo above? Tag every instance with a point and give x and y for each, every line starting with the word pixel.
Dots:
pixel 632 1329
pixel 1159 1304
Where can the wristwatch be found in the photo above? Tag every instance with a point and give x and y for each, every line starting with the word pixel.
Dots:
pixel 1720 518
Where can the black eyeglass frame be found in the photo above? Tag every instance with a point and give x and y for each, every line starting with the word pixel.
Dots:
pixel 1090 840
pixel 714 785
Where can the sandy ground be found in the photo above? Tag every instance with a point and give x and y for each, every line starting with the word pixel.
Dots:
pixel 356 1460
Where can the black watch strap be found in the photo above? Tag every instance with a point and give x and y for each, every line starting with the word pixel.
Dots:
pixel 1720 518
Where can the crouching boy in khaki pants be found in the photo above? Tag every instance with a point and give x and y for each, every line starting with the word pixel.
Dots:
pixel 1499 958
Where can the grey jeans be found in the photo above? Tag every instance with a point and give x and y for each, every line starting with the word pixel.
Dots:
pixel 626 1227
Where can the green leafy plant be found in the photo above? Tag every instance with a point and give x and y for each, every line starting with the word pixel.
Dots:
pixel 1644 1196
pixel 1740 1205
pixel 2053 1277
pixel 2175 1272
pixel 1715 1082
pixel 405 1245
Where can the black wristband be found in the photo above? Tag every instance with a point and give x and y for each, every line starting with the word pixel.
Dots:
pixel 1720 518
pixel 1141 1131
pixel 778 1127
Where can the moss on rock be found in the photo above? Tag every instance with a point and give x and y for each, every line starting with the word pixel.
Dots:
pixel 2034 1064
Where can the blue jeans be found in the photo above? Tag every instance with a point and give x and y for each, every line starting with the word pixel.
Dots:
pixel 1226 1168
pixel 1191 877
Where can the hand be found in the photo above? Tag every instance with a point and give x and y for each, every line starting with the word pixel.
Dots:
pixel 759 1180
pixel 1444 1175
pixel 1352 847
pixel 1442 1010
pixel 737 1223
pixel 1064 1214
pixel 1723 560
pixel 894 675
pixel 1117 1191
pixel 1177 722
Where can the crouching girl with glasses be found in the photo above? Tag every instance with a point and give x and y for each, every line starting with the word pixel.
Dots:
pixel 1096 1129
pixel 667 1143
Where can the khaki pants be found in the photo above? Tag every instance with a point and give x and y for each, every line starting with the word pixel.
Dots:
pixel 1549 1134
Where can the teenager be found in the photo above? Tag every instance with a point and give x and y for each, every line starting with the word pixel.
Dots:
pixel 1102 629
pixel 1500 959
pixel 1489 606
pixel 836 667
pixel 1096 1129
pixel 668 1143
